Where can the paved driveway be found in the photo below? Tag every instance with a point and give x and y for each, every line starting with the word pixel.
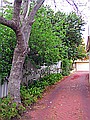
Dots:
pixel 67 100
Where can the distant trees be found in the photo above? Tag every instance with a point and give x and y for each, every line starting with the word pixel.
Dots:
pixel 69 30
pixel 56 37
pixel 43 41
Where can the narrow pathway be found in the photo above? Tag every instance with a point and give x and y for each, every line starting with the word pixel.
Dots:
pixel 67 100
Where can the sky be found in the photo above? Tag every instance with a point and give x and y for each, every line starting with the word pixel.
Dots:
pixel 63 6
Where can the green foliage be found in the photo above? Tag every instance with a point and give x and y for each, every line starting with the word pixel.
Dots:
pixel 9 110
pixel 66 67
pixel 6 10
pixel 81 52
pixel 43 41
pixel 69 29
pixel 30 95
pixel 34 91
pixel 74 34
pixel 53 37
pixel 52 78
pixel 7 45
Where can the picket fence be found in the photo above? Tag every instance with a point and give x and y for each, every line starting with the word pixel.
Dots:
pixel 4 89
pixel 56 68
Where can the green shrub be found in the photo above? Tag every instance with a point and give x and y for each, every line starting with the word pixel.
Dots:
pixel 9 110
pixel 29 95
pixel 34 91
pixel 66 67
pixel 7 45
pixel 51 79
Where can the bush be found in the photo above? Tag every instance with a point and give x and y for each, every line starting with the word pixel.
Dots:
pixel 9 110
pixel 66 67
pixel 7 45
pixel 52 78
pixel 30 94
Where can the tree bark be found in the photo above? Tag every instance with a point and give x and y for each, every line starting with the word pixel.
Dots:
pixel 17 66
pixel 16 76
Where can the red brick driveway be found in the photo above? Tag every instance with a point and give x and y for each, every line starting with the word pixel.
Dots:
pixel 67 100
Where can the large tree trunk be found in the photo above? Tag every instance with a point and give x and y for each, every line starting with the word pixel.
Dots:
pixel 16 76
pixel 17 66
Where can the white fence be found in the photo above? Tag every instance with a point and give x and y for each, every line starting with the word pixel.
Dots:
pixel 30 73
pixel 4 89
pixel 56 68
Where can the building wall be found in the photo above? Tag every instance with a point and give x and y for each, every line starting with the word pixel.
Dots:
pixel 82 66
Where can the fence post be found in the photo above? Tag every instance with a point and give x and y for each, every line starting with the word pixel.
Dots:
pixel 4 89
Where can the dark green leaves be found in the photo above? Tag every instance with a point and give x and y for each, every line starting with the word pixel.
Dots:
pixel 7 45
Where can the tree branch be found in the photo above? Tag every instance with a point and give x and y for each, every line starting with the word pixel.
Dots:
pixel 25 7
pixel 34 11
pixel 55 3
pixel 74 5
pixel 8 23
pixel 69 2
pixel 25 10
pixel 17 8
